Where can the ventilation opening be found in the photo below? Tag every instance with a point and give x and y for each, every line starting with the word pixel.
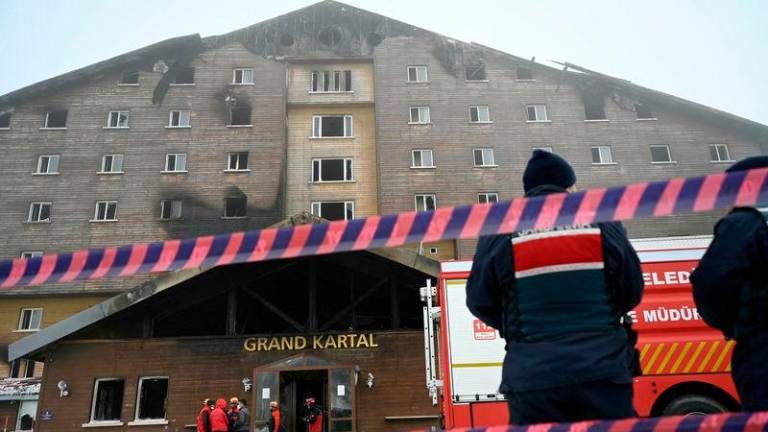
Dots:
pixel 286 40
pixel 329 36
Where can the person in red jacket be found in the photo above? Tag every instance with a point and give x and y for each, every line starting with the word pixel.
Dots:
pixel 204 417
pixel 313 415
pixel 219 419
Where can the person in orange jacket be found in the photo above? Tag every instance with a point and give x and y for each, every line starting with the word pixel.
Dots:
pixel 204 417
pixel 219 419
pixel 273 424
pixel 313 415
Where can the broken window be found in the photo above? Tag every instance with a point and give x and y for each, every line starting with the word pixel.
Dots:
pixel 5 120
pixel 235 207
pixel 479 114
pixel 130 77
pixel 602 155
pixel 242 76
pixel 425 202
pixel 170 209
pixel 487 197
pixel 56 119
pixel 176 162
pixel 660 153
pixel 185 75
pixel 31 319
pixel 107 399
pixel 237 161
pixel 111 163
pixel 422 159
pixel 179 119
pixel 484 157
pixel 331 170
pixel 105 211
pixel 524 74
pixel 118 119
pixel 240 116
pixel 719 153
pixel 22 368
pixel 476 72
pixel 48 164
pixel 39 212
pixel 331 81
pixel 595 110
pixel 420 114
pixel 643 112
pixel 153 392
pixel 537 113
pixel 331 126
pixel 344 210
pixel 417 74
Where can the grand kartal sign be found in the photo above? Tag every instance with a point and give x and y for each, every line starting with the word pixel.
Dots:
pixel 316 342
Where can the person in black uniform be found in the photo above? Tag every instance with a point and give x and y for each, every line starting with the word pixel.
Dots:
pixel 730 287
pixel 557 296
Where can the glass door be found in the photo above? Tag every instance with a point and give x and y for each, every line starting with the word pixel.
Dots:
pixel 341 406
pixel 266 390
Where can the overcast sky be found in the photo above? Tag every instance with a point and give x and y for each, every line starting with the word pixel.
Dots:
pixel 711 52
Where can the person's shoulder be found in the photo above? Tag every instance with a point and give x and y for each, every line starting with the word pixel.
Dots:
pixel 745 216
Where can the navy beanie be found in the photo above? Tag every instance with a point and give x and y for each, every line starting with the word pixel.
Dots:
pixel 749 163
pixel 547 168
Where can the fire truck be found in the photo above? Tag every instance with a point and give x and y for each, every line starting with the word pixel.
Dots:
pixel 685 363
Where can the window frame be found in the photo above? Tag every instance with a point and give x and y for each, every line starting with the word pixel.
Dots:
pixel 40 162
pixel 318 82
pixel 19 329
pixel 171 211
pixel 424 196
pixel 530 73
pixel 30 254
pixel 181 84
pixel 151 421
pixel 637 113
pixel 419 110
pixel 416 68
pixel 238 169
pixel 348 206
pixel 479 66
pixel 242 76
pixel 123 74
pixel 482 151
pixel 179 126
pixel 226 199
pixel 94 394
pixel 9 116
pixel 602 108
pixel 107 204
pixel 232 110
pixel 600 154
pixel 487 195
pixel 47 115
pixel 727 152
pixel 477 108
pixel 348 170
pixel 41 203
pixel 669 155
pixel 317 127
pixel 118 113
pixel 536 107
pixel 175 164
pixel 431 156
pixel 112 155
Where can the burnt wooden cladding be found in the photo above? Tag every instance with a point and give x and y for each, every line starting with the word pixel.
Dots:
pixel 214 367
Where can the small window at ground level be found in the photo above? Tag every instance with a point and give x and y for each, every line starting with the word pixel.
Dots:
pixel 602 155
pixel 332 126
pixel 417 74
pixel 235 207
pixel 524 73
pixel 39 212
pixel 179 118
pixel 112 163
pixel 643 112
pixel 484 157
pixel 420 114
pixel 240 116
pixel 170 209
pixel 594 111
pixel 5 120
pixel 185 75
pixel 343 210
pixel 425 202
pixel 422 159
pixel 105 211
pixel 56 119
pixel 537 113
pixel 107 401
pixel 48 164
pixel 719 153
pixel 130 77
pixel 476 72
pixel 487 197
pixel 479 114
pixel 331 170
pixel 31 319
pixel 242 76
pixel 153 395
pixel 237 161
pixel 660 153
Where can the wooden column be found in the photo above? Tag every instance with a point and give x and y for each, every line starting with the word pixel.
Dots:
pixel 231 328
pixel 351 280
pixel 312 296
pixel 394 304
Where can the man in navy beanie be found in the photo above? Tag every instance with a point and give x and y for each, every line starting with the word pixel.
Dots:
pixel 558 296
pixel 730 287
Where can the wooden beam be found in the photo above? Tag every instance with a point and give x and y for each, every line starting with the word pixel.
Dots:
pixel 275 310
pixel 147 327
pixel 312 295
pixel 352 306
pixel 351 280
pixel 231 327
pixel 394 305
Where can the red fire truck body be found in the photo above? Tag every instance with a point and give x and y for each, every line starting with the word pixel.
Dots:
pixel 686 364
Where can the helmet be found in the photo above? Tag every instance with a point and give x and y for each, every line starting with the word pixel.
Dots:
pixel 309 401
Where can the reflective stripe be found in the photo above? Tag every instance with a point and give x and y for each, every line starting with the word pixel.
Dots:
pixel 559 268
pixel 705 357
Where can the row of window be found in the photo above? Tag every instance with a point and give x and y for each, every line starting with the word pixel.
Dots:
pixel 473 72
pixel 113 163
pixel 107 401
pixel 534 114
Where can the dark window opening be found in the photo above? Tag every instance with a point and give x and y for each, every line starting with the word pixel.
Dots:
pixel 332 211
pixel 660 153
pixel 524 73
pixel 152 399
pixel 235 207
pixel 643 112
pixel 594 111
pixel 108 400
pixel 476 72
pixel 56 119
pixel 5 120
pixel 131 77
pixel 15 369
pixel 238 161
pixel 185 75
pixel 333 126
pixel 241 116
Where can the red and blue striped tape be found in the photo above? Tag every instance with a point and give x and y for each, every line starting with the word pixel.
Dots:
pixel 728 422
pixel 676 196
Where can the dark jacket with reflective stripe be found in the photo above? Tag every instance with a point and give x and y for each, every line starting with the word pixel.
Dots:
pixel 553 341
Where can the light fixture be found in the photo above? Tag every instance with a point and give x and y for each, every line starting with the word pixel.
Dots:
pixel 369 380
pixel 247 384
pixel 63 388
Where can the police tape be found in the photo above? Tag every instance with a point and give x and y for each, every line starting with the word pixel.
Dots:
pixel 728 422
pixel 676 196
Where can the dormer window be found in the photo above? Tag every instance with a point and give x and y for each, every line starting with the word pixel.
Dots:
pixel 55 119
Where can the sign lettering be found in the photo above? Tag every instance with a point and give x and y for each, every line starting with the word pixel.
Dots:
pixel 318 342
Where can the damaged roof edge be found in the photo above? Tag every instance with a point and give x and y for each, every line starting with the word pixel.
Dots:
pixel 87 71
pixel 33 343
